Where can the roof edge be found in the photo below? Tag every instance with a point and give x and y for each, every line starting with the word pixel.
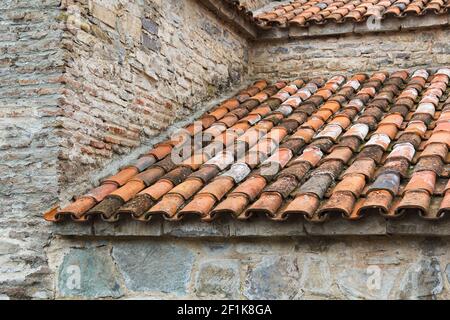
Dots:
pixel 232 12
pixel 226 227
pixel 391 24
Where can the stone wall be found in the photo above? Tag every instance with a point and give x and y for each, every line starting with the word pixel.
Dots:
pixel 259 268
pixel 31 68
pixel 350 53
pixel 86 85
pixel 133 68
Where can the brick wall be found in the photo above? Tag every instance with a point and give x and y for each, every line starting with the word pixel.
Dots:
pixel 84 84
pixel 132 69
pixel 350 53
pixel 87 84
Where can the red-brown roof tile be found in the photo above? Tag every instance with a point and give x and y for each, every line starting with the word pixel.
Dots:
pixel 376 144
pixel 307 12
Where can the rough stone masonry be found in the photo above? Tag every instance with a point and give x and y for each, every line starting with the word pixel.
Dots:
pixel 86 86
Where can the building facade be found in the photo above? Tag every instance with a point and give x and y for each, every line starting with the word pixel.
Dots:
pixel 90 85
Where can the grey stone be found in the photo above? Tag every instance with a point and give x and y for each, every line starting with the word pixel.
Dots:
pixel 336 225
pixel 7 247
pixel 154 266
pixel 297 32
pixel 192 227
pixel 89 273
pixel 211 29
pixel 150 26
pixel 430 20
pixel 373 282
pixel 422 279
pixel 151 42
pixel 414 225
pixel 275 277
pixel 330 29
pixel 447 272
pixel 263 227
pixel 128 227
pixel 219 278
pixel 316 277
pixel 68 228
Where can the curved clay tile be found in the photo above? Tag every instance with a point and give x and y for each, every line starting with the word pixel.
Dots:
pixel 348 147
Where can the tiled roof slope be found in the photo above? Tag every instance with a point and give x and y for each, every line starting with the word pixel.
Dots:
pixel 356 146
pixel 306 12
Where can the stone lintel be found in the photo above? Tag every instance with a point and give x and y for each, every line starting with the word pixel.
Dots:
pixel 226 227
pixel 390 24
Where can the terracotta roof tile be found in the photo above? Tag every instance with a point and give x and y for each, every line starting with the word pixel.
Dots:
pixel 367 144
pixel 304 13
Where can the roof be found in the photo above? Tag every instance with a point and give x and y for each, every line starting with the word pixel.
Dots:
pixel 348 146
pixel 307 12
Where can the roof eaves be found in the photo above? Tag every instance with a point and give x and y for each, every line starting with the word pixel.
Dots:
pixel 390 24
pixel 234 13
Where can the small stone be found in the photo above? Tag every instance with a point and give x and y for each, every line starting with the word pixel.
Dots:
pixel 7 247
pixel 154 266
pixel 275 277
pixel 89 273
pixel 131 26
pixel 104 14
pixel 151 42
pixel 373 282
pixel 218 278
pixel 150 26
pixel 423 279
pixel 316 276
pixel 447 272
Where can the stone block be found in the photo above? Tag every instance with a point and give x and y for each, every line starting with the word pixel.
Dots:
pixel 193 227
pixel 298 32
pixel 150 26
pixel 274 277
pixel 69 228
pixel 414 225
pixel 88 272
pixel 154 266
pixel 447 272
pixel 330 29
pixel 129 25
pixel 316 277
pixel 218 278
pixel 264 227
pixel 430 20
pixel 8 247
pixel 128 227
pixel 373 282
pixel 151 42
pixel 336 225
pixel 423 279
pixel 375 25
pixel 104 14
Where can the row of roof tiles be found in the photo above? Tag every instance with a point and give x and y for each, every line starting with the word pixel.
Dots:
pixel 357 146
pixel 303 13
